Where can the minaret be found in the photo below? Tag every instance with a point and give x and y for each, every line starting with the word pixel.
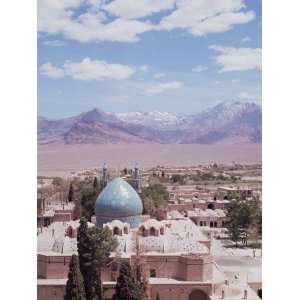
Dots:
pixel 104 179
pixel 137 179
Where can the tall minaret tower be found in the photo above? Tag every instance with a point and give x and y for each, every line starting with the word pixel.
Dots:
pixel 137 179
pixel 104 179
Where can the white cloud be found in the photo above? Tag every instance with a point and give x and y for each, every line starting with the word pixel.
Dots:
pixel 162 87
pixel 72 19
pixel 207 16
pixel 137 8
pixel 245 95
pixel 199 68
pixel 144 68
pixel 88 69
pixel 246 39
pixel 55 43
pixel 237 59
pixel 159 75
pixel 235 80
pixel 91 20
pixel 51 71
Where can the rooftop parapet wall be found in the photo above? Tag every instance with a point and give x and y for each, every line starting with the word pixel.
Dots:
pixel 182 207
pixel 53 266
pixel 186 268
pixel 167 289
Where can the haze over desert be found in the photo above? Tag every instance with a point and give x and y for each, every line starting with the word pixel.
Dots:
pixel 62 159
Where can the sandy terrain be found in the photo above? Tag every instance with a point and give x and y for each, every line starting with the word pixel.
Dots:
pixel 61 159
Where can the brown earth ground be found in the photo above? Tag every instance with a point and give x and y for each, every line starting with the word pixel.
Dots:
pixel 59 160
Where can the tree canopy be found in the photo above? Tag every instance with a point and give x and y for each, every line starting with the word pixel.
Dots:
pixel 243 218
pixel 154 196
pixel 74 287
pixel 127 288
pixel 94 247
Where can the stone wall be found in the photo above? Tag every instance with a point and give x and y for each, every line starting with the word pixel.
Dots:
pixel 53 266
pixel 178 291
pixel 166 291
pixel 50 291
pixel 182 207
pixel 184 268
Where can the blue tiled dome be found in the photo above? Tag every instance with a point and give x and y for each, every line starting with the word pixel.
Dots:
pixel 120 201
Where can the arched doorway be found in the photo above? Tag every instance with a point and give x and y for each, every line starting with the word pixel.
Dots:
pixel 143 231
pixel 211 206
pixel 116 231
pixel 198 295
pixel 259 293
pixel 152 231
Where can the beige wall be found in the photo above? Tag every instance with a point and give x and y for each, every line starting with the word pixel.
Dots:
pixel 191 205
pixel 206 220
pixel 50 292
pixel 166 291
pixel 53 266
pixel 178 292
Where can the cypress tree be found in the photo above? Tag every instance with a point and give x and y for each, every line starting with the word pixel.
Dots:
pixel 127 288
pixel 71 193
pixel 94 247
pixel 75 287
pixel 157 296
pixel 83 254
pixel 95 184
pixel 101 244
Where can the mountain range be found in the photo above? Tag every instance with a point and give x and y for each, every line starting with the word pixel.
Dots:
pixel 233 122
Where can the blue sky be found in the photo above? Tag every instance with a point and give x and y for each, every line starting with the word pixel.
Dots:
pixel 143 55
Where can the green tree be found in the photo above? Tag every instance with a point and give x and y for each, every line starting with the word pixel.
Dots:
pixel 85 199
pixel 102 243
pixel 95 184
pixel 58 181
pixel 177 178
pixel 71 193
pixel 240 218
pixel 94 247
pixel 157 296
pixel 87 202
pixel 127 288
pixel 74 287
pixel 154 196
pixel 83 253
pixel 235 232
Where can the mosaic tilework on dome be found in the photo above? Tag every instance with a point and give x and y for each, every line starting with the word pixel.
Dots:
pixel 120 201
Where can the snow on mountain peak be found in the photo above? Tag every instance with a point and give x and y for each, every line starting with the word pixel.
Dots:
pixel 153 119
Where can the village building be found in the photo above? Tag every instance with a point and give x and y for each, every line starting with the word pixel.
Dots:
pixel 176 254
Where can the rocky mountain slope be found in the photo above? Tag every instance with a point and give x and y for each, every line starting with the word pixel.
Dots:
pixel 224 123
pixel 154 119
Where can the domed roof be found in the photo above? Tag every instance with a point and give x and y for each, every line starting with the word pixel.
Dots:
pixel 118 199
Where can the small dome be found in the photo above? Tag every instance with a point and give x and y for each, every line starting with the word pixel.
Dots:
pixel 118 200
